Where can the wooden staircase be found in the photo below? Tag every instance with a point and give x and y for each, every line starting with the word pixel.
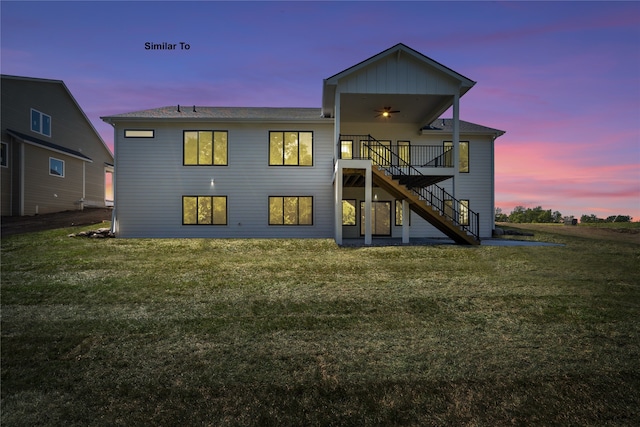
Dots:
pixel 431 202
pixel 383 179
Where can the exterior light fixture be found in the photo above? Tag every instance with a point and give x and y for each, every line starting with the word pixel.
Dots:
pixel 212 182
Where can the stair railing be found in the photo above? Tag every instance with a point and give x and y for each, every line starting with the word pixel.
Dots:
pixel 437 197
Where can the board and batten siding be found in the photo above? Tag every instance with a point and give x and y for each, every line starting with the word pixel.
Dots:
pixel 150 181
pixel 398 76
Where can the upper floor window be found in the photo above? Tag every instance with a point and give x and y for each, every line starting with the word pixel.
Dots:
pixel 464 155
pixel 56 167
pixel 205 148
pixel 139 133
pixel 290 148
pixel 40 122
pixel 4 155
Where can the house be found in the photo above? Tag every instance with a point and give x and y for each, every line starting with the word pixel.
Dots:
pixel 52 158
pixel 375 160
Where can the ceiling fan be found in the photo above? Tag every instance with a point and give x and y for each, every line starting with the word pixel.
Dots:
pixel 386 112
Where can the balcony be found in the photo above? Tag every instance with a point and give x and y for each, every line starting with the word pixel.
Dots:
pixel 354 147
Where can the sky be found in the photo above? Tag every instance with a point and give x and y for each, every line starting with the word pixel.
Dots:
pixel 561 78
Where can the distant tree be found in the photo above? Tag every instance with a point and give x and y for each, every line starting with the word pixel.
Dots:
pixel 618 218
pixel 500 216
pixel 590 219
pixel 536 215
pixel 518 214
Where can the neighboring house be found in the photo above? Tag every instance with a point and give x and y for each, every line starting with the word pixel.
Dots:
pixel 351 169
pixel 52 159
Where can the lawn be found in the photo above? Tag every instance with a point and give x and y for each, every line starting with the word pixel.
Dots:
pixel 198 332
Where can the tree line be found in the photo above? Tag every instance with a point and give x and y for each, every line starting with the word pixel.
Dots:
pixel 520 214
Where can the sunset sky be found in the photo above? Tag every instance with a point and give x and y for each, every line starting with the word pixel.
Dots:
pixel 561 78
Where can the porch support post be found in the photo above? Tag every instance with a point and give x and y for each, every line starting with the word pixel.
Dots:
pixel 337 182
pixel 367 204
pixel 405 222
pixel 456 140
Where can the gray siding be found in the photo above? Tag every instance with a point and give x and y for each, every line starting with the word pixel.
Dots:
pixel 151 180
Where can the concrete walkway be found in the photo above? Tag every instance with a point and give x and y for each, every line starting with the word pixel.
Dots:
pixel 388 241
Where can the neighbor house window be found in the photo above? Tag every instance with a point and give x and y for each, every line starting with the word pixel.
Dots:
pixel 464 155
pixel 348 212
pixel 346 150
pixel 139 133
pixel 290 210
pixel 204 210
pixel 4 154
pixel 290 148
pixel 56 167
pixel 40 122
pixel 380 218
pixel 400 214
pixel 208 148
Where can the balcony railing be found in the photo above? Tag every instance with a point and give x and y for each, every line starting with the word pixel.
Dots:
pixel 397 165
pixel 355 147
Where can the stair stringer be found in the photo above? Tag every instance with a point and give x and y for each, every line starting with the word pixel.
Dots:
pixel 421 207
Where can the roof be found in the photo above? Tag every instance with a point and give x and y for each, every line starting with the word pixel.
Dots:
pixel 330 84
pixel 197 113
pixel 401 47
pixel 48 145
pixel 64 86
pixel 446 126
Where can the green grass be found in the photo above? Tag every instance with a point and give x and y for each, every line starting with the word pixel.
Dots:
pixel 302 332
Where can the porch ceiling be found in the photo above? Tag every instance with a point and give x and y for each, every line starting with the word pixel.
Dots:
pixel 418 109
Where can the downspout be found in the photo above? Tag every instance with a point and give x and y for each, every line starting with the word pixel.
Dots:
pixel 84 185
pixel 21 178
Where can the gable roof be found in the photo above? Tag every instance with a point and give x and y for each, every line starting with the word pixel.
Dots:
pixel 397 50
pixel 330 84
pixel 68 92
pixel 222 114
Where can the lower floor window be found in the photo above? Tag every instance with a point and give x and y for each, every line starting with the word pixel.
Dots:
pixel 400 214
pixel 288 210
pixel 204 210
pixel 348 212
pixel 380 218
pixel 463 211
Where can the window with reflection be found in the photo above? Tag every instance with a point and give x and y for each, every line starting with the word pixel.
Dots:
pixel 463 163
pixel 400 214
pixel 348 212
pixel 346 150
pixel 290 210
pixel 205 148
pixel 204 210
pixel 290 148
pixel 380 218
